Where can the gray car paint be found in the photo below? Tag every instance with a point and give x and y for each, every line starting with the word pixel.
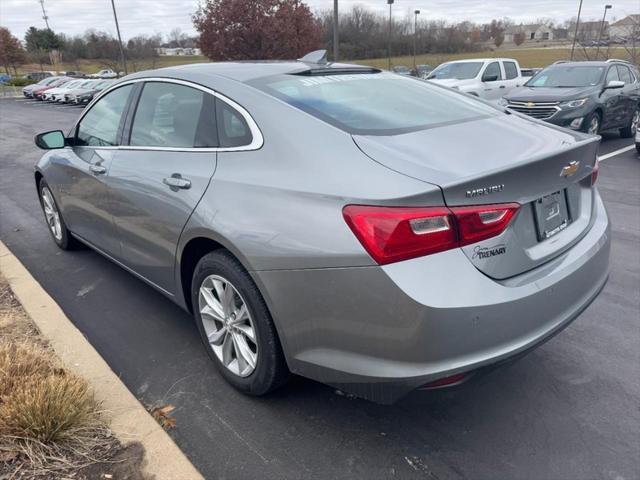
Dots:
pixel 376 331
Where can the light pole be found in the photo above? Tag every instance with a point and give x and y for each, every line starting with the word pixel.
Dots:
pixel 335 30
pixel 115 17
pixel 415 37
pixel 390 2
pixel 575 34
pixel 606 7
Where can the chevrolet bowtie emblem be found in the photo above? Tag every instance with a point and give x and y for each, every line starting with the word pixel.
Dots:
pixel 570 169
pixel 531 104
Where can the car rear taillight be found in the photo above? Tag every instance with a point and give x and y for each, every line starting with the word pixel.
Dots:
pixel 392 234
pixel 594 173
pixel 484 221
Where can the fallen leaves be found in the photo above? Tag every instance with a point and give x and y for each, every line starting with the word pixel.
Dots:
pixel 161 415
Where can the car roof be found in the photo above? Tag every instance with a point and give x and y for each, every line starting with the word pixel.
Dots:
pixel 244 71
pixel 589 63
pixel 466 60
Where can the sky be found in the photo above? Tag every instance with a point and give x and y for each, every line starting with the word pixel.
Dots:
pixel 150 17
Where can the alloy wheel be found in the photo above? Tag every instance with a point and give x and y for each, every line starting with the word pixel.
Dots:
pixel 51 213
pixel 228 325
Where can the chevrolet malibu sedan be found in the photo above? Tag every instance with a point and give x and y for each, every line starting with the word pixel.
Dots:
pixel 326 220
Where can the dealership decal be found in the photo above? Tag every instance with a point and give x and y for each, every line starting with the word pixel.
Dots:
pixel 488 252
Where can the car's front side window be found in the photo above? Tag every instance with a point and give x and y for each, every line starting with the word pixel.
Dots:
pixel 174 116
pixel 492 73
pixel 612 75
pixel 99 127
pixel 624 74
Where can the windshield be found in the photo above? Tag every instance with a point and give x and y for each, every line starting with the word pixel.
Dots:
pixel 457 71
pixel 566 76
pixel 374 103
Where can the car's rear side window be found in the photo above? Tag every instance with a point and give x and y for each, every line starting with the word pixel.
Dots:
pixel 174 116
pixel 232 127
pixel 99 127
pixel 510 70
pixel 374 103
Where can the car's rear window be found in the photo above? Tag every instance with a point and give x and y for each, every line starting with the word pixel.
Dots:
pixel 374 103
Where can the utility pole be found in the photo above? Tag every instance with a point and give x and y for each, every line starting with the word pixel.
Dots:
pixel 575 34
pixel 335 30
pixel 415 38
pixel 44 14
pixel 115 17
pixel 390 2
pixel 606 7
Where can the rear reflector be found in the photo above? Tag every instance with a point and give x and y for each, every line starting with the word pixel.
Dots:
pixel 446 381
pixel 392 234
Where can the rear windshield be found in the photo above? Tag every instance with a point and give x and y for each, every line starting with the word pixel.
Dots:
pixel 374 103
pixel 566 76
pixel 457 71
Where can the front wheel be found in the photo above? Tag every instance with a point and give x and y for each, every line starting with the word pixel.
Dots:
pixel 592 124
pixel 631 129
pixel 235 325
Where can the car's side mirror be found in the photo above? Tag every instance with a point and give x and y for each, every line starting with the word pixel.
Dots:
pixel 50 140
pixel 614 84
pixel 490 78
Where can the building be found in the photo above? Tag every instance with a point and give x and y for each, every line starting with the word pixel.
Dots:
pixel 588 31
pixel 628 27
pixel 179 51
pixel 532 33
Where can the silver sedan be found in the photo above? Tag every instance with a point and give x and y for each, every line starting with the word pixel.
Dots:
pixel 367 230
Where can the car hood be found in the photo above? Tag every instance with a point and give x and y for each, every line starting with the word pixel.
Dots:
pixel 548 94
pixel 525 155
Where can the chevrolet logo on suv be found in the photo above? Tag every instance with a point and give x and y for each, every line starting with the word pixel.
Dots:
pixel 570 169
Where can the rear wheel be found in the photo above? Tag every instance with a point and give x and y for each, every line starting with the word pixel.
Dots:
pixel 235 325
pixel 55 222
pixel 592 124
pixel 631 129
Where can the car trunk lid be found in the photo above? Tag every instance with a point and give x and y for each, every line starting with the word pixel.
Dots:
pixel 547 170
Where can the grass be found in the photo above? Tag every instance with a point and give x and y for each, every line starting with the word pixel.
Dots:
pixel 50 422
pixel 527 57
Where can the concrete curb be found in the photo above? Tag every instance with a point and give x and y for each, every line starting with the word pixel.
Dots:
pixel 128 419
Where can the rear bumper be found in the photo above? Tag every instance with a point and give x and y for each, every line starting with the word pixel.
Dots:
pixel 381 332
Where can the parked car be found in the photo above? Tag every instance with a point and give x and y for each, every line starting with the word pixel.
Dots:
pixel 56 93
pixel 401 70
pixel 489 78
pixel 38 76
pixel 530 72
pixel 107 73
pixel 85 93
pixel 4 78
pixel 587 96
pixel 638 140
pixel 445 260
pixel 422 71
pixel 75 74
pixel 38 93
pixel 29 90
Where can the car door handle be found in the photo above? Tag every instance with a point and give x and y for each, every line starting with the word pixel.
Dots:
pixel 503 86
pixel 97 169
pixel 177 182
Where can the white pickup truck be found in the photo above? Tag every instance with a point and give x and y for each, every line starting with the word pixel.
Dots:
pixel 488 78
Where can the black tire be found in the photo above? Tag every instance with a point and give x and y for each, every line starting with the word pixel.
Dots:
pixel 271 369
pixel 589 119
pixel 629 131
pixel 66 241
pixel 638 147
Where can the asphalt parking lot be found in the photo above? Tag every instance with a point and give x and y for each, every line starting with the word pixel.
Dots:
pixel 569 410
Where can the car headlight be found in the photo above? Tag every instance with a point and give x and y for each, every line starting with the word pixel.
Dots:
pixel 503 103
pixel 574 103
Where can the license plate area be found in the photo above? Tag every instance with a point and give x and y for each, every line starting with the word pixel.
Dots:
pixel 552 214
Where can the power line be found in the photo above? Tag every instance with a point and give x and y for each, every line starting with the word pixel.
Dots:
pixel 44 14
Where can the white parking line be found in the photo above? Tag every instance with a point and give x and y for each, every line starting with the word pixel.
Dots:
pixel 616 152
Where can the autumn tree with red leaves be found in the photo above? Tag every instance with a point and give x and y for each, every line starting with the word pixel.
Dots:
pixel 256 29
